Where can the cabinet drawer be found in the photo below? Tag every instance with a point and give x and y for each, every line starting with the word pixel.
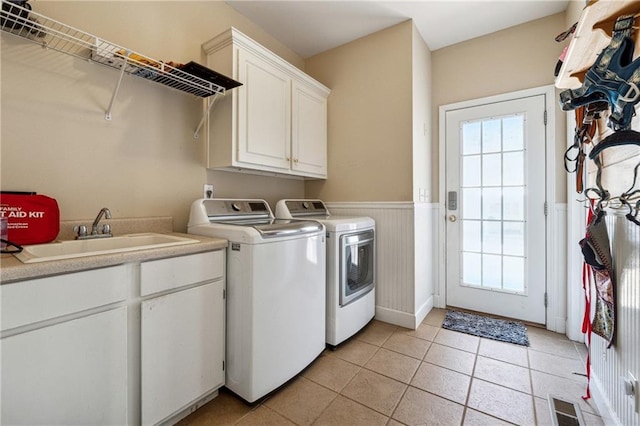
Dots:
pixel 168 274
pixel 30 301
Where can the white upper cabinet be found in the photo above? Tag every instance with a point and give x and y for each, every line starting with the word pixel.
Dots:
pixel 275 122
pixel 309 131
pixel 264 113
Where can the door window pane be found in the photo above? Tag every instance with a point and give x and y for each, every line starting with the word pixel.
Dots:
pixel 472 238
pixel 513 238
pixel 513 168
pixel 472 269
pixel 492 237
pixel 471 206
pixel 471 171
pixel 471 138
pixel 492 170
pixel 513 133
pixel 492 203
pixel 491 136
pixel 513 203
pixel 491 271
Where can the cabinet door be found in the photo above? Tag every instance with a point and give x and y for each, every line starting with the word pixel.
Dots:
pixel 70 373
pixel 264 113
pixel 182 349
pixel 309 131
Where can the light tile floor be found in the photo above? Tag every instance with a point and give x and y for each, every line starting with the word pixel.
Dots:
pixel 388 375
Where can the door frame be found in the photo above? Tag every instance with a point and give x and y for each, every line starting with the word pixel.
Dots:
pixel 554 288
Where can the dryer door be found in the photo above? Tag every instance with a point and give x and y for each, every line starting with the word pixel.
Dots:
pixel 357 265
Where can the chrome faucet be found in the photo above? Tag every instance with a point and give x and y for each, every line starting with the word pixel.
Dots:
pixel 105 230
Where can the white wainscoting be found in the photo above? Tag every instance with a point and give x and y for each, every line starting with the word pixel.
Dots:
pixel 557 275
pixel 406 269
pixel 610 366
pixel 426 261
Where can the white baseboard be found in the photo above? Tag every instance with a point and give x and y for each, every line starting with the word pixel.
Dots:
pixel 558 325
pixel 391 316
pixel 423 311
pixel 404 319
pixel 438 301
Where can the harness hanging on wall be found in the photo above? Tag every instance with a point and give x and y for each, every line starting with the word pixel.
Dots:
pixel 586 126
pixel 621 138
pixel 614 77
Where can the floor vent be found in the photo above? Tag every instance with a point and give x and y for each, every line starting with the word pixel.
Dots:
pixel 565 413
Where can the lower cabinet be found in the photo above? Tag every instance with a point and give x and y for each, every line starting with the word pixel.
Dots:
pixel 182 351
pixel 129 344
pixel 70 373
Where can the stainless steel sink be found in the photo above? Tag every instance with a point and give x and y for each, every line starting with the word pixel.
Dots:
pixel 60 250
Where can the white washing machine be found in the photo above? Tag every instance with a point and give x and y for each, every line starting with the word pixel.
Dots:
pixel 276 298
pixel 351 265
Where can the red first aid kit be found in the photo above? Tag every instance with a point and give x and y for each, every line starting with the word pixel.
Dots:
pixel 32 218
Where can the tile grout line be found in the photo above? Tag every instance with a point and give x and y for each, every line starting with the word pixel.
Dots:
pixel 533 396
pixel 361 367
pixel 473 371
pixel 410 380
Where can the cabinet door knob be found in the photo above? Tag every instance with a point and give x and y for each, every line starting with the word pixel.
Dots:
pixel 295 160
pixel 288 159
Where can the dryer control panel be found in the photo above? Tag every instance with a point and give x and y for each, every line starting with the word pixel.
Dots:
pixel 299 208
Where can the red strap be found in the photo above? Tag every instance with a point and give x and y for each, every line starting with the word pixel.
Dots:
pixel 586 320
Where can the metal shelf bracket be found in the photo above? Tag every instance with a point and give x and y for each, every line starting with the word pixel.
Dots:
pixel 210 102
pixel 117 88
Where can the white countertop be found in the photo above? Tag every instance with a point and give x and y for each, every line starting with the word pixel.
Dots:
pixel 12 269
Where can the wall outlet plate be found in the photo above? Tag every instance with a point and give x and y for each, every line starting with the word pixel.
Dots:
pixel 207 191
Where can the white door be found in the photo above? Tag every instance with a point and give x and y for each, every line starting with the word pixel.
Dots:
pixel 495 204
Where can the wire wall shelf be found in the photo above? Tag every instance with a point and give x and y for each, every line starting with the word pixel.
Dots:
pixel 24 23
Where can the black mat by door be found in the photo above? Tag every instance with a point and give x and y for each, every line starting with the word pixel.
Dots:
pixel 487 327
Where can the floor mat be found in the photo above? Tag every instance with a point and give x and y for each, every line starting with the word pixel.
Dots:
pixel 490 328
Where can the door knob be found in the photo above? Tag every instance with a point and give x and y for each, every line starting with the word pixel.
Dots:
pixel 452 218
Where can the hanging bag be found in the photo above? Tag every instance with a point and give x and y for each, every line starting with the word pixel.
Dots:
pixel 597 254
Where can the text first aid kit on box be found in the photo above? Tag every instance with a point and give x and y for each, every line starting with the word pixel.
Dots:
pixel 32 218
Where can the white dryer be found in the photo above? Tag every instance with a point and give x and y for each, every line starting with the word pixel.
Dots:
pixel 275 318
pixel 351 265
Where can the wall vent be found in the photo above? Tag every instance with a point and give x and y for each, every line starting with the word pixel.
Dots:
pixel 565 413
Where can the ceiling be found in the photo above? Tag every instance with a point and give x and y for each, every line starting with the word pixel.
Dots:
pixel 311 27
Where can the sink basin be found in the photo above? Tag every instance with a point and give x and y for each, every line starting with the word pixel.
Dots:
pixel 59 250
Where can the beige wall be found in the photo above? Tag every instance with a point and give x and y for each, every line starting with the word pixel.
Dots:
pixel 369 117
pixel 144 162
pixel 517 58
pixel 421 92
